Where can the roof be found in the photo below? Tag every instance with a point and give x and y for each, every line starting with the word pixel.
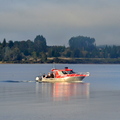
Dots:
pixel 61 69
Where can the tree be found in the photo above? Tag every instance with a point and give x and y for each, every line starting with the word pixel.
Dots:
pixel 6 54
pixel 16 54
pixel 34 55
pixel 30 46
pixel 10 44
pixel 4 43
pixel 40 44
pixel 55 51
pixel 67 52
pixel 82 43
pixel 43 57
pixel 76 53
pixel 1 52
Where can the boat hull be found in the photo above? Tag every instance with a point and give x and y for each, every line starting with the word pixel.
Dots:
pixel 66 79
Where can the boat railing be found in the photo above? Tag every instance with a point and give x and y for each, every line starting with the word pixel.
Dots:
pixel 83 73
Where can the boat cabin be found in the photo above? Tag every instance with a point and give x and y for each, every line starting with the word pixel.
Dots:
pixel 61 72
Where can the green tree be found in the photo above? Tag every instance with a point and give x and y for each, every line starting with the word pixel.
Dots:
pixel 43 57
pixel 55 51
pixel 16 54
pixel 82 43
pixel 40 44
pixel 34 55
pixel 30 46
pixel 67 52
pixel 4 43
pixel 10 44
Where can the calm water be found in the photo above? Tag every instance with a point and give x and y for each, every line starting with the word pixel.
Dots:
pixel 98 98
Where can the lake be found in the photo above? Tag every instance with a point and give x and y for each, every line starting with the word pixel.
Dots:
pixel 97 98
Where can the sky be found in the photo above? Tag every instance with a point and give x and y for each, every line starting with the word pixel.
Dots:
pixel 59 20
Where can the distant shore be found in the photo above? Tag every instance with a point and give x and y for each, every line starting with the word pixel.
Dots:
pixel 67 61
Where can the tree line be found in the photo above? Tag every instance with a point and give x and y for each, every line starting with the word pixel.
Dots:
pixel 80 50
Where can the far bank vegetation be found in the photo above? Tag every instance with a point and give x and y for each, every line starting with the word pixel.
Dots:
pixel 80 50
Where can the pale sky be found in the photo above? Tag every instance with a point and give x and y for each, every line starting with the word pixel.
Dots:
pixel 59 20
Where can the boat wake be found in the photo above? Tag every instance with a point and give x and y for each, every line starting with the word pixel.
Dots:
pixel 17 81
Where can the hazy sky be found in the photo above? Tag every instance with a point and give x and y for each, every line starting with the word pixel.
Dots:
pixel 59 20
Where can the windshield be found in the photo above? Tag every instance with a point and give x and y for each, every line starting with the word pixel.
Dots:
pixel 68 72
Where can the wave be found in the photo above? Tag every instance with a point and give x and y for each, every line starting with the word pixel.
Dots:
pixel 17 81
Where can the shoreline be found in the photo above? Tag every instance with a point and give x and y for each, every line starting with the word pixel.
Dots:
pixel 60 60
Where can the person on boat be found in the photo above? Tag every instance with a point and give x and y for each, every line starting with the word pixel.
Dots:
pixel 44 76
pixel 49 75
pixel 52 75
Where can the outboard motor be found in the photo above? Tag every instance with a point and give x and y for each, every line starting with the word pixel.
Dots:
pixel 38 79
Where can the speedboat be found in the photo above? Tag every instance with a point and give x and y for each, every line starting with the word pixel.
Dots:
pixel 62 75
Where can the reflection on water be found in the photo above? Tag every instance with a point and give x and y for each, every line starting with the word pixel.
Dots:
pixel 63 90
pixel 67 90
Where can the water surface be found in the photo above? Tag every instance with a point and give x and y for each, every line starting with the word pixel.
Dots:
pixel 21 98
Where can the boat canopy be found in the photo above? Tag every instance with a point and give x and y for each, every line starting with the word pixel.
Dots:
pixel 64 71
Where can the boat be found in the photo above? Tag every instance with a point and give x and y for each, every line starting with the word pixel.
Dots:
pixel 62 75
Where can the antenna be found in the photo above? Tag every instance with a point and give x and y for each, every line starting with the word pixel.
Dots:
pixel 54 66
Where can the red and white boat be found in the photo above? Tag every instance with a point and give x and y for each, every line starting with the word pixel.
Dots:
pixel 62 75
